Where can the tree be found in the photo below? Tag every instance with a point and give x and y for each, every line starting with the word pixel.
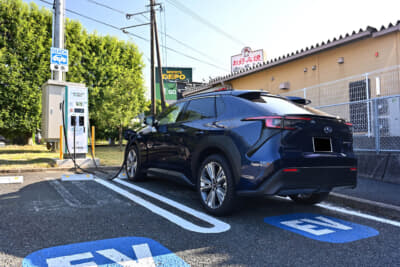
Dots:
pixel 25 38
pixel 113 74
pixel 110 68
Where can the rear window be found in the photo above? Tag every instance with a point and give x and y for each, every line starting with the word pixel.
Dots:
pixel 279 106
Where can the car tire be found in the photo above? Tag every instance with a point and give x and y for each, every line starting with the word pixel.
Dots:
pixel 132 164
pixel 215 185
pixel 309 199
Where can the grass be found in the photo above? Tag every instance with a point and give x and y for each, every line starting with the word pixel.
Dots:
pixel 37 156
pixel 13 157
pixel 109 155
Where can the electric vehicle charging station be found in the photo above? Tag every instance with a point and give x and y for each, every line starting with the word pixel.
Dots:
pixel 76 121
pixel 66 104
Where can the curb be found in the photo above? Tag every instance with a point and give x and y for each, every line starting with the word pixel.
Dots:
pixel 55 169
pixel 377 208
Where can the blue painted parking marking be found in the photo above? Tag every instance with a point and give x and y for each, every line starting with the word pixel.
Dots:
pixel 124 251
pixel 321 227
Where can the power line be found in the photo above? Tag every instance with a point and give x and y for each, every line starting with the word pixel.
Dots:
pixel 162 32
pixel 164 37
pixel 160 23
pixel 103 5
pixel 135 35
pixel 165 32
pixel 204 21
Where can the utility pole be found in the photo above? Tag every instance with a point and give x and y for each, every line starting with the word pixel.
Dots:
pixel 58 42
pixel 153 89
pixel 154 34
pixel 160 78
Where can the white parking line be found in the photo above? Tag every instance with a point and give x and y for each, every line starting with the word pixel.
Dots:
pixel 218 226
pixel 357 213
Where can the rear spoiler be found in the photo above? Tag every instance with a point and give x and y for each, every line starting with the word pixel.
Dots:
pixel 298 100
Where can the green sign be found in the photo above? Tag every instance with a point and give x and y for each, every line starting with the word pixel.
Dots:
pixel 169 90
pixel 170 77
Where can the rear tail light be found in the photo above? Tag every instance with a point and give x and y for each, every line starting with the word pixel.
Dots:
pixel 279 122
pixel 353 169
pixel 290 170
pixel 350 126
pixel 273 122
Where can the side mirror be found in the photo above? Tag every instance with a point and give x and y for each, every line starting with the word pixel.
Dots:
pixel 149 120
pixel 129 134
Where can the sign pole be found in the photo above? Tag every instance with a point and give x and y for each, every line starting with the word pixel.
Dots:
pixel 59 10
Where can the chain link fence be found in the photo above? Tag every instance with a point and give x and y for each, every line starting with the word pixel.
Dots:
pixel 370 101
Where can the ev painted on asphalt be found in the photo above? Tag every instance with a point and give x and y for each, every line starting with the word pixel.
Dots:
pixel 124 251
pixel 322 228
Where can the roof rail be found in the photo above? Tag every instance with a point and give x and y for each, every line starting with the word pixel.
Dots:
pixel 204 89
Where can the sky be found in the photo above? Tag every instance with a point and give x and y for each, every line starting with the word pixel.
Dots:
pixel 278 27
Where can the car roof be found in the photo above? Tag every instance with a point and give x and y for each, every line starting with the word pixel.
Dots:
pixel 227 92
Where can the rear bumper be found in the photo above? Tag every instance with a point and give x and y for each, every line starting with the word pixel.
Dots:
pixel 305 180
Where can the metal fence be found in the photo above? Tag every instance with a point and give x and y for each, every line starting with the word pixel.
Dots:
pixel 371 101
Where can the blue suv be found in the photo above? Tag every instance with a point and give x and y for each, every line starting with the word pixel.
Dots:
pixel 230 143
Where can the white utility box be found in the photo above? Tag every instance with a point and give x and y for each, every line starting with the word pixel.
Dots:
pixel 52 97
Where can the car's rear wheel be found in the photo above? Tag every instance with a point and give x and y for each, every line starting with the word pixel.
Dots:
pixel 309 199
pixel 215 185
pixel 132 165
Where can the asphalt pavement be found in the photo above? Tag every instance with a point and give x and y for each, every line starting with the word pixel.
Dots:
pixel 44 212
pixel 374 190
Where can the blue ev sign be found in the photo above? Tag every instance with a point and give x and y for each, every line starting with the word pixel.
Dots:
pixel 124 251
pixel 59 59
pixel 322 228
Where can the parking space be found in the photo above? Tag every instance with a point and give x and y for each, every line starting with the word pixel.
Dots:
pixel 155 222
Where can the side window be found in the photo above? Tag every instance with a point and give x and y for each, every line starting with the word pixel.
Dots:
pixel 171 114
pixel 238 107
pixel 200 108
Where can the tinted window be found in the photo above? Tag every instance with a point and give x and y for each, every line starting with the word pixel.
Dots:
pixel 279 106
pixel 198 109
pixel 171 114
pixel 238 107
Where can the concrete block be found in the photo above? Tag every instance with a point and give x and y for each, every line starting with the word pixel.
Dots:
pixel 11 179
pixel 76 177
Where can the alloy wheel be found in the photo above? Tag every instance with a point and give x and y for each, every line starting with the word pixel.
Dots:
pixel 213 185
pixel 131 163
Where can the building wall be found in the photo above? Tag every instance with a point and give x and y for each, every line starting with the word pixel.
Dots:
pixel 359 58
